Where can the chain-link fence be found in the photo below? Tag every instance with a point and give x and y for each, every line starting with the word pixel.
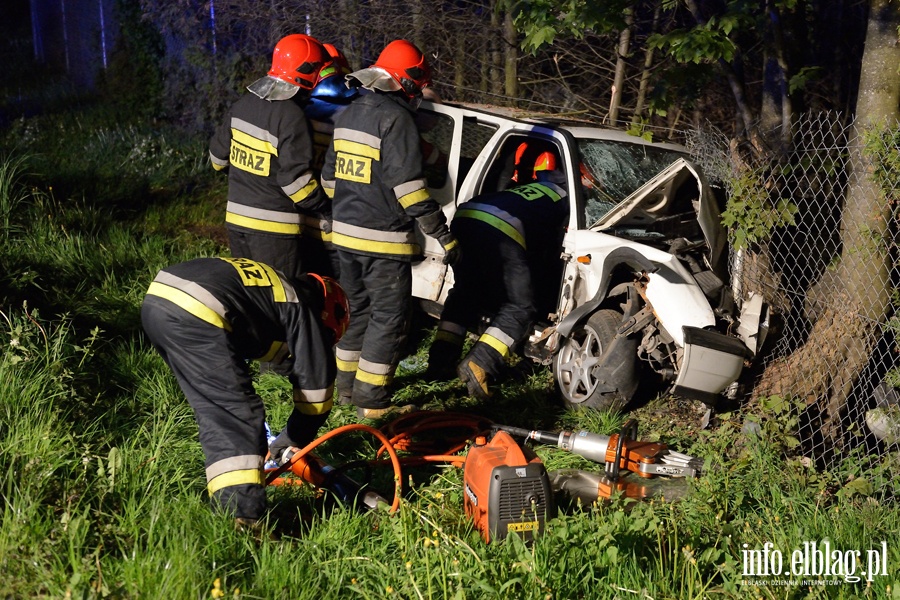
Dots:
pixel 815 231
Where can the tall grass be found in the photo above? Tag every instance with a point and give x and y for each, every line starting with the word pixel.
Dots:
pixel 101 475
pixel 12 194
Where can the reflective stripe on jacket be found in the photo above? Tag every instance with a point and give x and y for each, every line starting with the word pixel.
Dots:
pixel 528 213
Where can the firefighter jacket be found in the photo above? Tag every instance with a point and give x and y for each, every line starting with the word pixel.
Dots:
pixel 269 149
pixel 266 317
pixel 530 214
pixel 373 172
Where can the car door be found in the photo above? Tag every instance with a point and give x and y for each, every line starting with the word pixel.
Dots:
pixel 453 139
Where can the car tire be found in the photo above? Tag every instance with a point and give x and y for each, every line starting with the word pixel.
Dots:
pixel 584 348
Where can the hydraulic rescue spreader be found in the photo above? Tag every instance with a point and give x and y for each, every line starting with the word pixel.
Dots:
pixel 619 452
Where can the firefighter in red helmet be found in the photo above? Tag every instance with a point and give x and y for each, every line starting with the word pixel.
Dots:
pixel 265 143
pixel 507 238
pixel 373 172
pixel 207 317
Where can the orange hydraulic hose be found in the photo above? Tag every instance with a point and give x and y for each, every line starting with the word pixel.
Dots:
pixel 395 460
pixel 402 431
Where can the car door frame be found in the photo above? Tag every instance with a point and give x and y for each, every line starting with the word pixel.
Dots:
pixel 474 180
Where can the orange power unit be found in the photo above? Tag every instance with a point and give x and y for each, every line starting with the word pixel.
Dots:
pixel 505 489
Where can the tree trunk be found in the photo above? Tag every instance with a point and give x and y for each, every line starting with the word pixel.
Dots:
pixel 349 45
pixel 624 48
pixel 459 64
pixel 511 55
pixel 846 331
pixel 418 25
pixel 645 74
pixel 496 55
pixel 733 74
pixel 776 112
pixel 864 261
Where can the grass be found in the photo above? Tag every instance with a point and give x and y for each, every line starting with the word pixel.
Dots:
pixel 102 475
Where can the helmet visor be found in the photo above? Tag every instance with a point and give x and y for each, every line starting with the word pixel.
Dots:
pixel 271 88
pixel 375 78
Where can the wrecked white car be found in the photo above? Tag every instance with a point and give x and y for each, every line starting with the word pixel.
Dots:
pixel 640 282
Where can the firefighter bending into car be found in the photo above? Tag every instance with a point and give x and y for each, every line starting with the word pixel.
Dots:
pixel 207 317
pixel 265 143
pixel 373 172
pixel 506 237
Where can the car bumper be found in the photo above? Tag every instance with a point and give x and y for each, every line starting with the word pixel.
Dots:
pixel 711 362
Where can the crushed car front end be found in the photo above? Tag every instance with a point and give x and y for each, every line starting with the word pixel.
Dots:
pixel 649 256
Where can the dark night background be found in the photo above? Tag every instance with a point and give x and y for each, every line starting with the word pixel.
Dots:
pixel 43 55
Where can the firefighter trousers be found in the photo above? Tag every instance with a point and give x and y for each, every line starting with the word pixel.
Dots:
pixel 229 413
pixel 281 252
pixel 493 280
pixel 380 295
pixel 319 257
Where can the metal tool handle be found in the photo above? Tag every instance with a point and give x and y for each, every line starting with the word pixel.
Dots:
pixel 542 437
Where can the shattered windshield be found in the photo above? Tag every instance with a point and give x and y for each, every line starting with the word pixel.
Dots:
pixel 611 171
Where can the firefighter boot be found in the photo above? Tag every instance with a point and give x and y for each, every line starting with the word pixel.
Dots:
pixel 478 369
pixel 347 364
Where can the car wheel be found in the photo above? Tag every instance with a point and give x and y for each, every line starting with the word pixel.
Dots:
pixel 574 364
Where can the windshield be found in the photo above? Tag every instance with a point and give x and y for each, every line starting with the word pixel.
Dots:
pixel 611 171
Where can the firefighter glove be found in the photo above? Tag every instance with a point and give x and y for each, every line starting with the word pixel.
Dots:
pixel 282 448
pixel 452 252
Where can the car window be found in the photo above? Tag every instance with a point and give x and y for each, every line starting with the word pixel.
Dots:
pixel 502 172
pixel 475 136
pixel 436 131
pixel 611 171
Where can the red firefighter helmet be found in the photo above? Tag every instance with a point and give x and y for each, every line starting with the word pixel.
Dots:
pixel 545 161
pixel 336 309
pixel 340 61
pixel 298 59
pixel 406 65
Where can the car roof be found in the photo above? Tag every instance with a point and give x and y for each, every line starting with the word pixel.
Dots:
pixel 601 133
pixel 579 128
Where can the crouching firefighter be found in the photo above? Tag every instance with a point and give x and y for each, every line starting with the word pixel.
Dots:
pixel 207 317
pixel 506 239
